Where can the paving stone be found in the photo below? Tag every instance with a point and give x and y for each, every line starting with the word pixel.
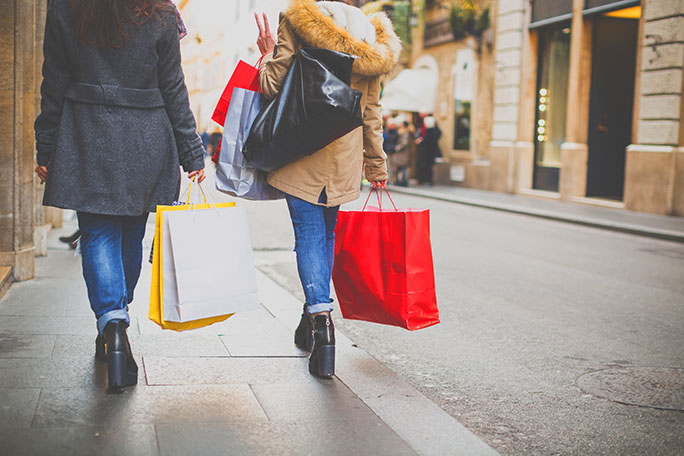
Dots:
pixel 80 441
pixel 282 439
pixel 36 300
pixel 52 372
pixel 280 343
pixel 17 407
pixel 64 407
pixel 254 323
pixel 224 371
pixel 26 346
pixel 172 345
pixel 322 401
pixel 47 325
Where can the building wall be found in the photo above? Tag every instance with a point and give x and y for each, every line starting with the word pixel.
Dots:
pixel 21 25
pixel 654 171
pixel 477 157
pixel 654 180
pixel 220 33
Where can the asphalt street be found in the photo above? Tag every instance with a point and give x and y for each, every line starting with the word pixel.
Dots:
pixel 547 329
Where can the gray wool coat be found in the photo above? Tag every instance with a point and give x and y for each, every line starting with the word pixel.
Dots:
pixel 115 124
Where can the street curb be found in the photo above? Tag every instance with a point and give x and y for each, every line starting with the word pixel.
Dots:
pixel 421 423
pixel 577 220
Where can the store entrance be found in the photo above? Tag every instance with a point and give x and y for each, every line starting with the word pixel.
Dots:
pixel 611 103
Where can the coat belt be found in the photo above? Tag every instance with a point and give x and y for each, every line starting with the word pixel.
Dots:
pixel 111 95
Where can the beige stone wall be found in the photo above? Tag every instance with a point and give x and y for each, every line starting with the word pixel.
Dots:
pixel 481 114
pixel 508 56
pixel 20 47
pixel 654 177
pixel 662 61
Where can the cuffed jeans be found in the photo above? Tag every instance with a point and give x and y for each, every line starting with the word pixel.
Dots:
pixel 111 252
pixel 314 229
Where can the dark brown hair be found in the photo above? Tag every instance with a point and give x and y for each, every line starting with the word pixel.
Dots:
pixel 103 23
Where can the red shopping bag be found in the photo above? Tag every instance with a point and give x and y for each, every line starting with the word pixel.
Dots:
pixel 383 269
pixel 245 76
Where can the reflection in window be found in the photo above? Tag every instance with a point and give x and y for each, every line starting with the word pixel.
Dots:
pixel 464 88
pixel 552 95
pixel 462 125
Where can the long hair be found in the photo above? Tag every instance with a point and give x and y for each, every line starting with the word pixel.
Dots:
pixel 104 23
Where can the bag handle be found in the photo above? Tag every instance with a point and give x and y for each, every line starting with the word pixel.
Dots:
pixel 192 180
pixel 378 188
pixel 258 64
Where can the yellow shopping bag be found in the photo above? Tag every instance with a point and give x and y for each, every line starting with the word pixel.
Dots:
pixel 156 313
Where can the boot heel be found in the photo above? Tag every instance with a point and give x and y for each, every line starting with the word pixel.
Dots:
pixel 116 369
pixel 131 373
pixel 324 363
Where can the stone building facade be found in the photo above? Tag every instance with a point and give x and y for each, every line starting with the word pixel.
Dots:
pixel 588 102
pixel 24 223
pixel 461 71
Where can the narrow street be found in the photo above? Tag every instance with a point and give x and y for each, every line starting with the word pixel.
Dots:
pixel 528 306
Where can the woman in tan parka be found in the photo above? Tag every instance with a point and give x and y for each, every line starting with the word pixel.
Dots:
pixel 318 184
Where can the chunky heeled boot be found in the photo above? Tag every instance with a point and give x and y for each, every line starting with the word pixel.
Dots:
pixel 303 336
pixel 121 367
pixel 322 359
pixel 100 348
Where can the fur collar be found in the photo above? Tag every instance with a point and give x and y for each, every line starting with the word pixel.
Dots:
pixel 318 29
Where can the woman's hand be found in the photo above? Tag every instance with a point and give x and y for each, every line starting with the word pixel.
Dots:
pixel 380 184
pixel 265 41
pixel 199 173
pixel 41 171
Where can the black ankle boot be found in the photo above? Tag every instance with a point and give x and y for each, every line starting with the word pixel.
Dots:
pixel 303 337
pixel 121 367
pixel 100 348
pixel 322 359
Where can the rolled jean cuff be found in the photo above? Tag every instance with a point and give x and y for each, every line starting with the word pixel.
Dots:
pixel 317 308
pixel 118 314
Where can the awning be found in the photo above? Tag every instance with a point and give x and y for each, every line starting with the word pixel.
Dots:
pixel 412 90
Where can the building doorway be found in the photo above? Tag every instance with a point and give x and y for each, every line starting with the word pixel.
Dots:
pixel 551 107
pixel 611 103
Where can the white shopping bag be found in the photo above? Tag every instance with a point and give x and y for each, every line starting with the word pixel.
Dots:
pixel 207 269
pixel 234 175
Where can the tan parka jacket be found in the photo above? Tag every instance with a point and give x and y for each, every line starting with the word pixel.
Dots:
pixel 337 168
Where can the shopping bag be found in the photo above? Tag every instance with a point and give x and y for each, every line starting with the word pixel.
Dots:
pixel 166 294
pixel 234 175
pixel 315 106
pixel 244 76
pixel 383 270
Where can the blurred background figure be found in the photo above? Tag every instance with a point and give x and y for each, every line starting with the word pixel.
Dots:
pixel 400 159
pixel 428 150
pixel 390 136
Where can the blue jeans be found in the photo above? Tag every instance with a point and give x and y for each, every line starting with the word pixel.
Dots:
pixel 111 251
pixel 314 229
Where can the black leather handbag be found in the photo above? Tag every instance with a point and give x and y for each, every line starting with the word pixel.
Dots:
pixel 315 106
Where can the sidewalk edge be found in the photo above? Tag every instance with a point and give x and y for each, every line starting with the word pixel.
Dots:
pixel 421 423
pixel 584 221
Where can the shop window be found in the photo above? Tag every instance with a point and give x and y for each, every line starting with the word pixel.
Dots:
pixel 552 95
pixel 464 89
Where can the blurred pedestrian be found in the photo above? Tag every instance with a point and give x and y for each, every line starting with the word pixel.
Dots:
pixel 428 151
pixel 72 239
pixel 390 134
pixel 114 90
pixel 318 184
pixel 399 161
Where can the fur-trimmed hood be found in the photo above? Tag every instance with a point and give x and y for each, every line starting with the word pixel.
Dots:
pixel 344 28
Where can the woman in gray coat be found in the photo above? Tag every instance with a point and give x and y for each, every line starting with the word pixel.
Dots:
pixel 114 128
